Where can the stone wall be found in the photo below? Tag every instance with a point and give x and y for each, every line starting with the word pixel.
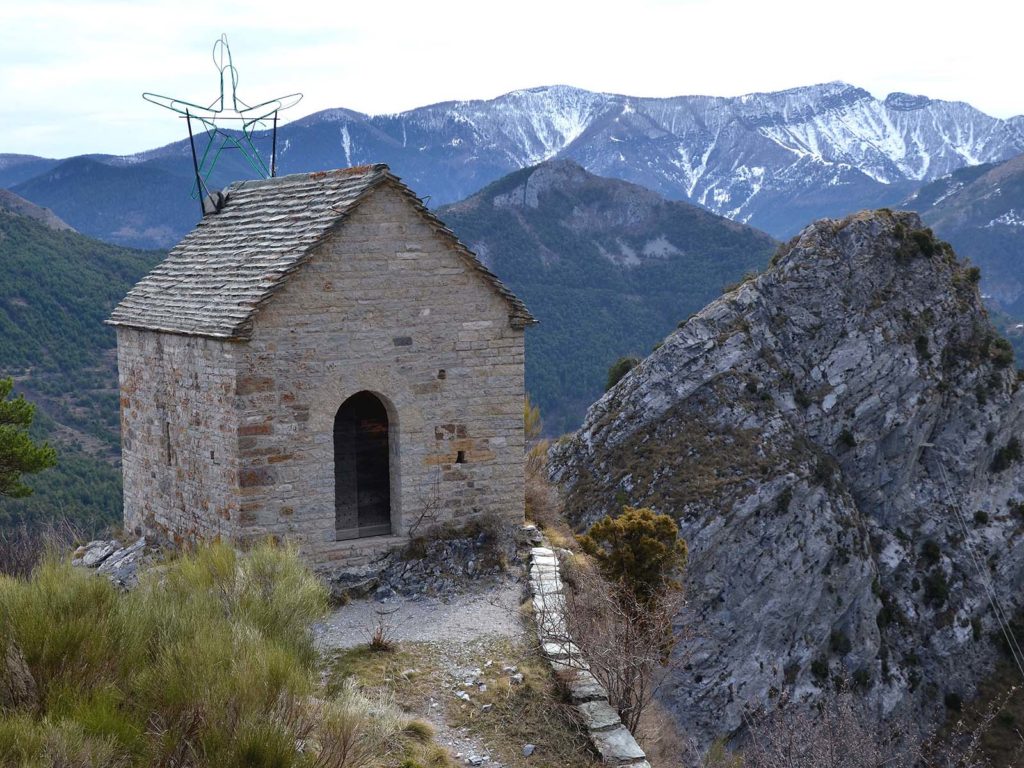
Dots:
pixel 178 434
pixel 386 306
pixel 237 438
pixel 611 738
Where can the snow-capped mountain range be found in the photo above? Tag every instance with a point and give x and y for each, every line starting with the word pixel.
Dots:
pixel 772 160
pixel 819 148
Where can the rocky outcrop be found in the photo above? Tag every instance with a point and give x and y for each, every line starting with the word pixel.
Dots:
pixel 120 563
pixel 441 563
pixel 838 438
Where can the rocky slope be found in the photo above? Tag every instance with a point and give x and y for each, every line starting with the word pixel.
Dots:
pixel 837 437
pixel 607 267
pixel 772 160
pixel 19 206
pixel 981 212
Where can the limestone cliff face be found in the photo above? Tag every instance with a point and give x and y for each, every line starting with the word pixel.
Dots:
pixel 815 431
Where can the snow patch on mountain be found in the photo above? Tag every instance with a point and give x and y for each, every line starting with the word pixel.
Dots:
pixel 1009 219
pixel 346 144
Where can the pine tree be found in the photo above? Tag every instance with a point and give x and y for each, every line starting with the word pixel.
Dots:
pixel 619 369
pixel 639 549
pixel 19 454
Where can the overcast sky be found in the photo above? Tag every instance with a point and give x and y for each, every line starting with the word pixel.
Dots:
pixel 72 71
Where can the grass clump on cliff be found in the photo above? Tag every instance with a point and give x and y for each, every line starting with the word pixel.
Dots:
pixel 209 662
pixel 1007 456
pixel 619 369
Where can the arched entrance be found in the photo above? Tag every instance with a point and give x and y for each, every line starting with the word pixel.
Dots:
pixel 362 476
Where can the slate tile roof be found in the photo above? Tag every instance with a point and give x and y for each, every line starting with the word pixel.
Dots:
pixel 213 281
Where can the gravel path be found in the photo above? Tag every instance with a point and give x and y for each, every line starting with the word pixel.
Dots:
pixel 467 617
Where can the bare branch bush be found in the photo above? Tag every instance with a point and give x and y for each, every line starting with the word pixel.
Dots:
pixel 963 745
pixel 840 731
pixel 662 740
pixel 23 546
pixel 836 733
pixel 626 642
pixel 542 507
pixel 429 515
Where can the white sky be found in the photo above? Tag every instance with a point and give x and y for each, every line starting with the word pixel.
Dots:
pixel 72 71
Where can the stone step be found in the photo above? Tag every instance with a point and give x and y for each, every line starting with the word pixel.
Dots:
pixel 618 747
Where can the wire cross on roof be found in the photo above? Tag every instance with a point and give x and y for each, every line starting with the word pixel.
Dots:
pixel 227 122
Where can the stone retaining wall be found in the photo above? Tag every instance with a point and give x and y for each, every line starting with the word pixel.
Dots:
pixel 610 737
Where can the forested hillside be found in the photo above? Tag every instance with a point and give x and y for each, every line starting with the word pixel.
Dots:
pixel 56 289
pixel 609 268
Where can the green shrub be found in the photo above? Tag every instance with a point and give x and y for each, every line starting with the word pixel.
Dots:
pixel 208 662
pixel 783 501
pixel 973 275
pixel 925 241
pixel 921 346
pixel 936 589
pixel 819 669
pixel 847 440
pixel 1001 352
pixel 976 628
pixel 862 678
pixel 884 617
pixel 639 549
pixel 619 369
pixel 931 552
pixel 981 517
pixel 1007 456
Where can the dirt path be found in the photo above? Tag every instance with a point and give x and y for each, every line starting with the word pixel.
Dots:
pixel 464 619
pixel 450 633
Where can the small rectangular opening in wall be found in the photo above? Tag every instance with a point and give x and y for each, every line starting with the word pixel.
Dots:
pixel 167 440
pixel 442 374
pixel 460 457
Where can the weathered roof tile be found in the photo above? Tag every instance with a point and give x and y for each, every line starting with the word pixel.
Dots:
pixel 213 281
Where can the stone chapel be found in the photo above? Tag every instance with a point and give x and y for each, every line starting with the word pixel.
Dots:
pixel 320 360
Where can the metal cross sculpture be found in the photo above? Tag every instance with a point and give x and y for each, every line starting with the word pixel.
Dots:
pixel 227 124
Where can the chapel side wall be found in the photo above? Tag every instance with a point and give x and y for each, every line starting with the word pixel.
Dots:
pixel 384 305
pixel 178 434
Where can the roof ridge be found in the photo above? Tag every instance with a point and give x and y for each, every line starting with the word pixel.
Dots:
pixel 214 281
pixel 337 173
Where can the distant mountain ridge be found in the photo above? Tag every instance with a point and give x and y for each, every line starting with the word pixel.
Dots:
pixel 608 267
pixel 980 210
pixel 12 203
pixel 773 160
